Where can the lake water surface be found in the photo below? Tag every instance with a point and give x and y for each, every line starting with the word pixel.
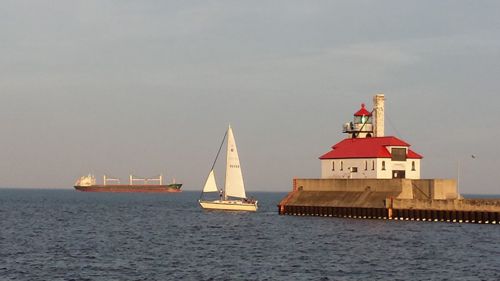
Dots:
pixel 69 235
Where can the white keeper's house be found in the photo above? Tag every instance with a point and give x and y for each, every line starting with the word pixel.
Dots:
pixel 367 153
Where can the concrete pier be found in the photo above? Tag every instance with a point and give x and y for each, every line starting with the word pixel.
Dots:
pixel 395 199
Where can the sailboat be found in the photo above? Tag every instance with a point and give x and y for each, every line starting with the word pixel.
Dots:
pixel 233 196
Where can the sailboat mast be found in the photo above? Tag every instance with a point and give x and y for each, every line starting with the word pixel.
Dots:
pixel 224 194
pixel 215 161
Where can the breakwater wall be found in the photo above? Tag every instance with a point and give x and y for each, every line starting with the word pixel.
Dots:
pixel 398 199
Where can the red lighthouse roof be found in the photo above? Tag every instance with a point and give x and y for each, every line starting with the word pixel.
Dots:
pixel 367 148
pixel 363 111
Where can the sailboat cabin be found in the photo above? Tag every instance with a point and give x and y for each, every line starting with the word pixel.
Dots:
pixel 367 153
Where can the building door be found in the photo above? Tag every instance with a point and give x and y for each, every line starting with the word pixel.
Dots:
pixel 396 174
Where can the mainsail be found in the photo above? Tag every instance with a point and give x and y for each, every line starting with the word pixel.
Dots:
pixel 210 185
pixel 234 179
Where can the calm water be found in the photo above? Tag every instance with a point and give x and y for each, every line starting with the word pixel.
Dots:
pixel 67 235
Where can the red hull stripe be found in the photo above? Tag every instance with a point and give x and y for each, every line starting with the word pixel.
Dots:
pixel 126 188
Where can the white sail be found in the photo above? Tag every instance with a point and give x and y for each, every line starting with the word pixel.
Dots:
pixel 210 185
pixel 234 179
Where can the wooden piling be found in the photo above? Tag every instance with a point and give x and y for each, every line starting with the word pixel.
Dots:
pixel 455 216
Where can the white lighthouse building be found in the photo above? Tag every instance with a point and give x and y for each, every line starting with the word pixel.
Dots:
pixel 367 154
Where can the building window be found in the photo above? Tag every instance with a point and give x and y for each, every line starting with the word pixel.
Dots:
pixel 413 165
pixel 333 165
pixel 341 165
pixel 398 154
pixel 366 165
pixel 373 165
pixel 354 169
pixel 383 165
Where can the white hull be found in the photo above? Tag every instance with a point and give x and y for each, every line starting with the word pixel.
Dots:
pixel 229 205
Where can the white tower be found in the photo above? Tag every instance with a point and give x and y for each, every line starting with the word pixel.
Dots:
pixel 378 108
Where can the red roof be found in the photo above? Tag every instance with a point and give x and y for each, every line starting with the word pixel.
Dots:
pixel 367 148
pixel 363 111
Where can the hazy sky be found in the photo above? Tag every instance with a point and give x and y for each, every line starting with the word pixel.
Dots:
pixel 149 87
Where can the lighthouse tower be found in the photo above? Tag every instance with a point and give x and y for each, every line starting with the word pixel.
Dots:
pixel 361 126
pixel 364 125
pixel 367 153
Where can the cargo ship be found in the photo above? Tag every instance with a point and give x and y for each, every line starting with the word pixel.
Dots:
pixel 89 184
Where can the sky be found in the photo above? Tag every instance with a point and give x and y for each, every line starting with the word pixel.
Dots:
pixel 149 87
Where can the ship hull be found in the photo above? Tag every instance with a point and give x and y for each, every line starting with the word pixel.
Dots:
pixel 228 205
pixel 131 188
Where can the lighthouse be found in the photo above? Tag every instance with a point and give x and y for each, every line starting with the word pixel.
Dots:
pixel 367 153
pixel 371 175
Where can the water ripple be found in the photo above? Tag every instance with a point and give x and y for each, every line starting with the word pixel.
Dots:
pixel 66 235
